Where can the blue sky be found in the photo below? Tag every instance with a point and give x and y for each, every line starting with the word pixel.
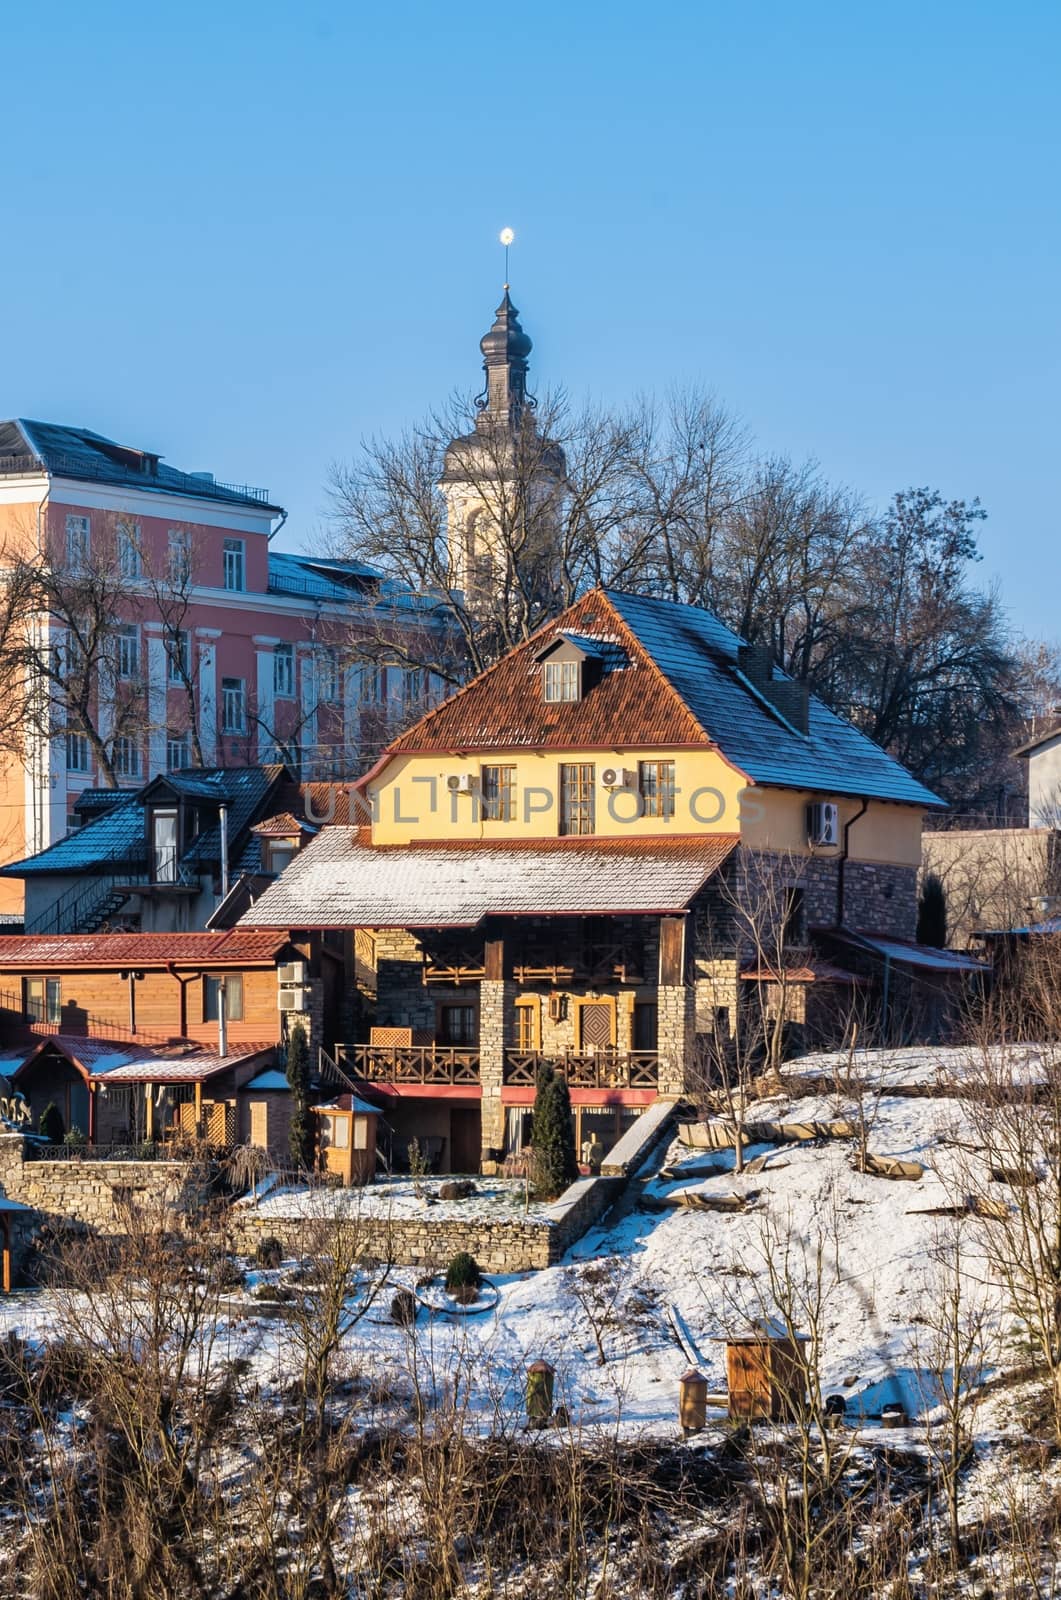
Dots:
pixel 247 235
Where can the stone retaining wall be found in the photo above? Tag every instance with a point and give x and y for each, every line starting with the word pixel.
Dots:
pixel 97 1193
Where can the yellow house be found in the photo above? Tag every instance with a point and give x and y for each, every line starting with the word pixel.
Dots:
pixel 591 855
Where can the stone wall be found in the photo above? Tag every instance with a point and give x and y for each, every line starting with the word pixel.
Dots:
pixel 402 999
pixel 496 1028
pixel 97 1193
pixel 502 1245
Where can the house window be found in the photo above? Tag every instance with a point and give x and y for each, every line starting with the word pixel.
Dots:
pixel 284 671
pixel 164 845
pixel 78 543
pixel 336 1132
pixel 279 853
pixel 78 753
pixel 180 560
pixel 528 1031
pixel 129 558
pixel 499 794
pixel 656 783
pixel 576 797
pixel 126 757
pixel 233 989
pixel 177 654
pixel 43 1000
pixel 374 683
pixel 413 686
pixel 457 1025
pixel 645 1029
pixel 234 564
pixel 178 751
pixel 328 677
pixel 233 705
pixel 129 652
pixel 561 680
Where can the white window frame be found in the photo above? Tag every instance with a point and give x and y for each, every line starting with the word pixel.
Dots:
pixel 284 672
pixel 178 654
pixel 233 705
pixel 127 757
pixel 129 651
pixel 78 753
pixel 180 562
pixel 329 677
pixel 562 681
pixel 234 555
pixel 78 542
pixel 178 744
pixel 130 556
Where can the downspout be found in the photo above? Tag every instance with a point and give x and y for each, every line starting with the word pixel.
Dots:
pixel 223 823
pixel 222 1018
pixel 273 533
pixel 861 812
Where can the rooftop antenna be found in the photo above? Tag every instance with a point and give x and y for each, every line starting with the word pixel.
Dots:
pixel 506 236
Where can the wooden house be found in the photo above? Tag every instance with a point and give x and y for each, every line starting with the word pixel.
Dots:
pixel 766 1373
pixel 346 1138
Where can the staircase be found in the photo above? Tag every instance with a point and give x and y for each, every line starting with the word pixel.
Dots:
pixel 82 909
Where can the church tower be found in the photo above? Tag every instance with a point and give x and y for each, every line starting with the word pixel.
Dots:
pixel 502 482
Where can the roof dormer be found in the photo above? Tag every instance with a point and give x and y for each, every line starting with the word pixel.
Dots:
pixel 570 665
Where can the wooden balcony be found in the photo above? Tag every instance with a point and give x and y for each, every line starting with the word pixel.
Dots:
pixel 603 1069
pixel 409 1063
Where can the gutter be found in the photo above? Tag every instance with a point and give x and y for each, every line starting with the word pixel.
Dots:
pixel 841 873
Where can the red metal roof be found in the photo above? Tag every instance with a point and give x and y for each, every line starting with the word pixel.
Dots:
pixel 234 947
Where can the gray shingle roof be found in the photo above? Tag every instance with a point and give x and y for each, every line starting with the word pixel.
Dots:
pixel 78 453
pixel 341 881
pixel 697 655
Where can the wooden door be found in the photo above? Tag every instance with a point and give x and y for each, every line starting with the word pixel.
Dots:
pixel 465 1139
pixel 595 1026
pixel 260 1124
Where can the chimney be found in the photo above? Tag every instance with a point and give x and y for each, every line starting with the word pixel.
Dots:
pixel 790 697
pixel 756 661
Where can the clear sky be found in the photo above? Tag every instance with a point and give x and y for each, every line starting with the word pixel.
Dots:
pixel 247 235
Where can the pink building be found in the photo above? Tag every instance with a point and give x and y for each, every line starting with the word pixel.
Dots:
pixel 232 653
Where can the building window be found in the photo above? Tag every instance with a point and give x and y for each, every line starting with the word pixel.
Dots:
pixel 233 705
pixel 233 987
pixel 284 671
pixel 234 567
pixel 646 1025
pixel 129 557
pixel 43 1000
pixel 793 917
pixel 413 686
pixel 499 794
pixel 528 1031
pixel 278 854
pixel 562 680
pixel 656 783
pixel 78 543
pixel 164 845
pixel 457 1025
pixel 328 677
pixel 126 757
pixel 374 683
pixel 180 558
pixel 576 797
pixel 178 655
pixel 78 753
pixel 178 751
pixel 129 652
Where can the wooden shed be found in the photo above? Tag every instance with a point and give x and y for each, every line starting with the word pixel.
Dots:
pixel 347 1138
pixel 766 1372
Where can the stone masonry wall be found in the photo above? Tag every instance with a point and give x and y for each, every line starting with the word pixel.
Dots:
pixel 97 1193
pixel 402 1000
pixel 496 1021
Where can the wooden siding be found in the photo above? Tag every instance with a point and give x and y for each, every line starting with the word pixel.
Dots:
pixel 96 1005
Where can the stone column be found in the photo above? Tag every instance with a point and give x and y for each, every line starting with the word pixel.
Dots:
pixel 497 996
pixel 157 676
pixel 676 1038
pixel 207 707
pixel 265 696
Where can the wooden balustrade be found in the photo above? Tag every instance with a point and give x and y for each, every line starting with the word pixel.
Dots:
pixel 412 1063
pixel 603 1069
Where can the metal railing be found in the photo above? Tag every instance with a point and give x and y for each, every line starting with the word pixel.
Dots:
pixel 603 1069
pixel 412 1063
pixel 68 466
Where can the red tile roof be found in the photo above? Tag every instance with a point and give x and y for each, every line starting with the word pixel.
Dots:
pixel 234 947
pixel 283 826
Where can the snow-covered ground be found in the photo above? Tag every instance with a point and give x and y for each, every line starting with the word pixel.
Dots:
pixel 494 1200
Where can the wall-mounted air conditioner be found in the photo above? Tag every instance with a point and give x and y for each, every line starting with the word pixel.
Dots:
pixel 291 972
pixel 291 997
pixel 618 778
pixel 823 823
pixel 462 783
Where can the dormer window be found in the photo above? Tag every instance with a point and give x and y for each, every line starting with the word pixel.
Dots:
pixel 562 680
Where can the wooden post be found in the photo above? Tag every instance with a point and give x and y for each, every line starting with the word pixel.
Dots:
pixel 198 1108
pixel 671 951
pixel 149 1114
pixel 494 960
pixel 7 1253
pixel 92 1113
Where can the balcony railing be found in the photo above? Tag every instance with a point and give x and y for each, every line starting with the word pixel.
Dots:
pixel 413 1063
pixel 604 1069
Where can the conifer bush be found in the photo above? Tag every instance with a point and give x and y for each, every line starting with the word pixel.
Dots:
pixel 463 1277
pixel 932 913
pixel 555 1164
pixel 51 1123
pixel 300 1137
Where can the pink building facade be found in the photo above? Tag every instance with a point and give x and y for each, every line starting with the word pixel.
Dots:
pixel 237 653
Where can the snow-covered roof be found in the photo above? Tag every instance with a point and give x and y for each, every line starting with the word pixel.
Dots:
pixel 340 881
pixel 908 954
pixel 192 1068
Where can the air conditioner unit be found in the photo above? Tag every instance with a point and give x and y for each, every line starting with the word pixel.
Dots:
pixel 823 823
pixel 290 997
pixel 618 778
pixel 462 783
pixel 291 972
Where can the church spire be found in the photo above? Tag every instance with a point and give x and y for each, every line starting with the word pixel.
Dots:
pixel 505 350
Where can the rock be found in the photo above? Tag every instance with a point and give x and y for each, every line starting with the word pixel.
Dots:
pixel 457 1189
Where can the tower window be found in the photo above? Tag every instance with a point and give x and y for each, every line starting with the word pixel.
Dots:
pixel 561 679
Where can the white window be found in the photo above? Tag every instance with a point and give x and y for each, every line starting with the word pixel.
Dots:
pixel 233 705
pixel 78 753
pixel 374 683
pixel 177 655
pixel 234 567
pixel 129 559
pixel 126 757
pixel 413 685
pixel 129 652
pixel 284 671
pixel 78 542
pixel 178 751
pixel 328 676
pixel 561 680
pixel 180 560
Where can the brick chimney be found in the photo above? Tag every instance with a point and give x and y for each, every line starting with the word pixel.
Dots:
pixel 790 697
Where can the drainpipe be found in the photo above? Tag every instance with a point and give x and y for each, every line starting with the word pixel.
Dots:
pixel 223 822
pixel 222 1018
pixel 861 812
